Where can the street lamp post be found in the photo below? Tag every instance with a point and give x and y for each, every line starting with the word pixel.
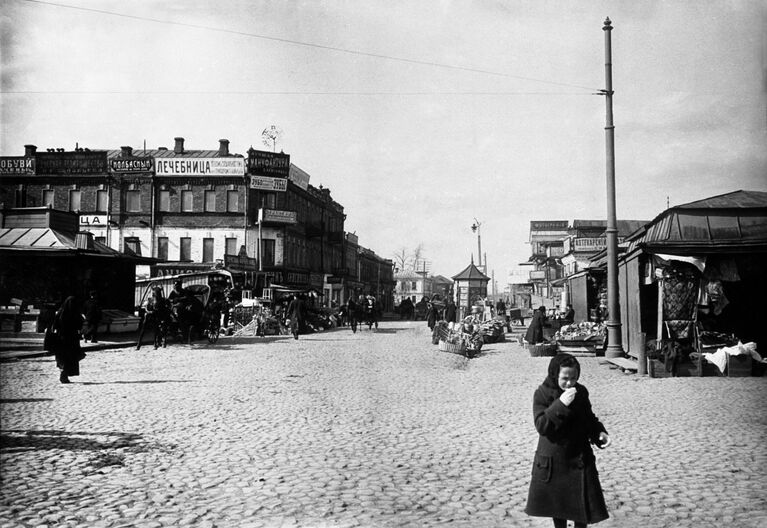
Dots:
pixel 475 228
pixel 614 341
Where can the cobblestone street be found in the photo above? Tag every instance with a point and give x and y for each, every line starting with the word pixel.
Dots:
pixel 374 429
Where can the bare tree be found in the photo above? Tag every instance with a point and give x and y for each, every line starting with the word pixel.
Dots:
pixel 401 260
pixel 417 255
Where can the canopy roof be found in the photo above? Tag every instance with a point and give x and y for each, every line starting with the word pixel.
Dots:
pixel 732 222
pixel 471 272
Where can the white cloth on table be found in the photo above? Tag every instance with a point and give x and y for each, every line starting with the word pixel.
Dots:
pixel 719 358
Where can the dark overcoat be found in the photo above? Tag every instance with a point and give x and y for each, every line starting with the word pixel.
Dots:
pixel 565 483
pixel 534 332
pixel 66 325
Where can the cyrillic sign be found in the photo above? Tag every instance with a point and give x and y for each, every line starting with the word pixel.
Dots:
pixel 71 162
pixel 548 225
pixel 264 183
pixel 199 166
pixel 262 163
pixel 17 165
pixel 589 244
pixel 299 177
pixel 283 217
pixel 93 220
pixel 131 164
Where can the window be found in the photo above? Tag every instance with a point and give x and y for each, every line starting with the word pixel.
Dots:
pixel 267 252
pixel 230 246
pixel 269 200
pixel 20 198
pixel 133 201
pixel 232 201
pixel 413 285
pixel 48 197
pixel 102 201
pixel 74 200
pixel 162 248
pixel 164 200
pixel 187 201
pixel 185 248
pixel 210 200
pixel 132 246
pixel 207 250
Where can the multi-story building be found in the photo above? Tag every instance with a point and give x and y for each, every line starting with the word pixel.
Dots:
pixel 194 209
pixel 412 284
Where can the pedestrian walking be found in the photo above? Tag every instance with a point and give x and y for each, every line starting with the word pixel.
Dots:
pixel 431 316
pixel 66 327
pixel 92 312
pixel 296 312
pixel 351 313
pixel 534 334
pixel 156 315
pixel 565 483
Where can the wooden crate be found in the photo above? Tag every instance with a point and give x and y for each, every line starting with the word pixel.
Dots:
pixel 739 366
pixel 656 369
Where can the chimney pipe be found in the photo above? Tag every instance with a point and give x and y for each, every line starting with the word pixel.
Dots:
pixel 223 147
pixel 126 152
pixel 29 150
pixel 179 148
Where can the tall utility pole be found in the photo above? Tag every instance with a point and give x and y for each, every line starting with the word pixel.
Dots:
pixel 475 228
pixel 614 340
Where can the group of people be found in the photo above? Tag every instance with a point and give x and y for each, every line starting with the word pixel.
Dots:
pixel 364 310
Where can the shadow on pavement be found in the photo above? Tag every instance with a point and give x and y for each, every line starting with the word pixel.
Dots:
pixel 21 400
pixel 128 382
pixel 17 439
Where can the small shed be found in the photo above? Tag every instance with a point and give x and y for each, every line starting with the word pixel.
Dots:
pixel 470 284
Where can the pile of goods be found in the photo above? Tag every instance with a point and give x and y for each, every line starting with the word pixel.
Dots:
pixel 492 331
pixel 465 338
pixel 585 331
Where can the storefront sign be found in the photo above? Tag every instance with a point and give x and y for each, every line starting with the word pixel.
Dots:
pixel 132 164
pixel 590 244
pixel 264 183
pixel 93 220
pixel 297 277
pixel 334 280
pixel 71 162
pixel 199 166
pixel 299 177
pixel 282 217
pixel 262 163
pixel 240 263
pixel 548 225
pixel 17 165
pixel 537 275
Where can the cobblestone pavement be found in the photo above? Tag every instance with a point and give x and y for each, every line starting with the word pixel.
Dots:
pixel 368 429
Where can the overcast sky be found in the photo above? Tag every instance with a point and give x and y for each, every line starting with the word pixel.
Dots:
pixel 419 116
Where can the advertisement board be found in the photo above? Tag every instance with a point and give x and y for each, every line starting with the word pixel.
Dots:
pixel 17 165
pixel 263 163
pixel 131 164
pixel 93 220
pixel 71 162
pixel 265 183
pixel 199 166
pixel 276 215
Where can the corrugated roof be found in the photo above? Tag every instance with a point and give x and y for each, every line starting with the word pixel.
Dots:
pixel 170 153
pixel 734 200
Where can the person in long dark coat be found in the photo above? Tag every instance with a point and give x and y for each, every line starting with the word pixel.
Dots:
pixel 450 314
pixel 431 316
pixel 565 483
pixel 296 312
pixel 534 332
pixel 92 312
pixel 67 324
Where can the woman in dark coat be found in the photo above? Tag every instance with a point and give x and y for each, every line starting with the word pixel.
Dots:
pixel 67 324
pixel 431 316
pixel 534 333
pixel 450 314
pixel 565 483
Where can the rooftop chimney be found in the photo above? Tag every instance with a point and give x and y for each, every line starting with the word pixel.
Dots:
pixel 223 147
pixel 29 150
pixel 84 240
pixel 179 148
pixel 127 152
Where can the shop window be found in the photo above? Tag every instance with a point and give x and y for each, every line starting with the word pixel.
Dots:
pixel 165 201
pixel 185 249
pixel 210 201
pixel 232 201
pixel 162 248
pixel 267 252
pixel 207 250
pixel 20 198
pixel 102 201
pixel 132 246
pixel 133 201
pixel 187 201
pixel 48 197
pixel 74 200
pixel 230 246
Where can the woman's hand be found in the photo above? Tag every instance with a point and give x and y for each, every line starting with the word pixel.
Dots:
pixel 568 396
pixel 604 440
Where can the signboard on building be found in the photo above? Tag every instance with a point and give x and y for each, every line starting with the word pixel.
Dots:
pixel 276 215
pixel 589 244
pixel 548 225
pixel 93 220
pixel 199 166
pixel 263 163
pixel 299 177
pixel 17 165
pixel 131 164
pixel 240 263
pixel 265 183
pixel 71 162
pixel 537 275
